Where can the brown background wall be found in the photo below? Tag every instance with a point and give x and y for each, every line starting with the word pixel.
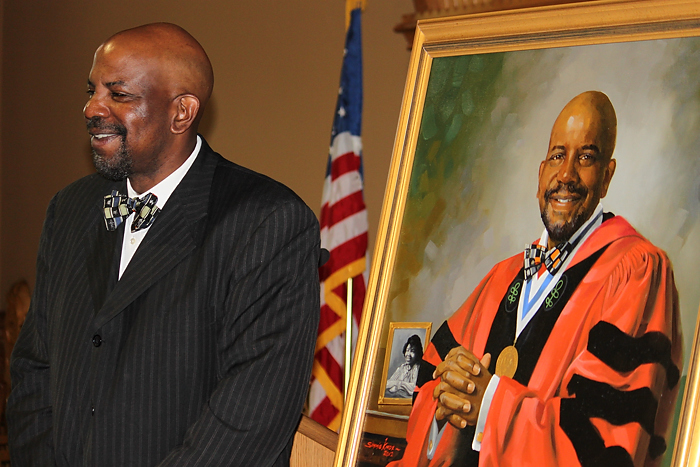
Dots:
pixel 277 69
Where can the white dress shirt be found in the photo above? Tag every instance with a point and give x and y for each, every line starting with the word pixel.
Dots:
pixel 162 190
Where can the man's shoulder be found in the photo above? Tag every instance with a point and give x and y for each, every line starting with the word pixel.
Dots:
pixel 624 246
pixel 506 269
pixel 234 186
pixel 616 232
pixel 512 262
pixel 229 171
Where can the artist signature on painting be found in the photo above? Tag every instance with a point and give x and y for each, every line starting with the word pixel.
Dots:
pixel 386 447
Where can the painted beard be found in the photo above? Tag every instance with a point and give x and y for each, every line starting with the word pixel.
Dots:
pixel 563 232
pixel 120 165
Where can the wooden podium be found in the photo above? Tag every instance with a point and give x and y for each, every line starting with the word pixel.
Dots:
pixel 314 445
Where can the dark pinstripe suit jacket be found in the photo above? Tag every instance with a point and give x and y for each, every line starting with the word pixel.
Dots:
pixel 199 355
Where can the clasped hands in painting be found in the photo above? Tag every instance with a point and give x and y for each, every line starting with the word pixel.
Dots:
pixel 463 381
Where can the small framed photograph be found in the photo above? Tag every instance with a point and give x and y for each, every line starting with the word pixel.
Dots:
pixel 402 362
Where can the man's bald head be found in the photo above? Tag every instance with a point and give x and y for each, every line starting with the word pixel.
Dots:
pixel 180 56
pixel 148 87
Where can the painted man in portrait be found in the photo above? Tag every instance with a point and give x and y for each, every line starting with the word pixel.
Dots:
pixel 568 353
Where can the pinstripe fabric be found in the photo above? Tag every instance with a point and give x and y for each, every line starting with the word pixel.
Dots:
pixel 206 342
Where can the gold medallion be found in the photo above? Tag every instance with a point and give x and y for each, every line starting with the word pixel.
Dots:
pixel 507 362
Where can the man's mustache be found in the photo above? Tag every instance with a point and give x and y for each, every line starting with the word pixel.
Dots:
pixel 98 123
pixel 566 188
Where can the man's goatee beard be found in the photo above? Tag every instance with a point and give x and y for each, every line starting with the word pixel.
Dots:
pixel 122 164
pixel 561 233
pixel 116 171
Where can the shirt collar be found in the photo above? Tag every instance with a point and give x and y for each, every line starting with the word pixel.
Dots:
pixel 165 187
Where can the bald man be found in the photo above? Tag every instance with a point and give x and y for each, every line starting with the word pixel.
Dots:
pixel 176 303
pixel 569 353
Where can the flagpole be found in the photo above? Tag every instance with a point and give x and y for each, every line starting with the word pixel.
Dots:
pixel 348 336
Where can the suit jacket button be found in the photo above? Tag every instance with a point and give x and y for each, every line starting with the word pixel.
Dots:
pixel 96 340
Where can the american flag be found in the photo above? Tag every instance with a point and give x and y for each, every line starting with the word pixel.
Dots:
pixel 344 234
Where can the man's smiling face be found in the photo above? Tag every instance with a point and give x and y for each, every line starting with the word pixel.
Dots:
pixel 578 168
pixel 126 113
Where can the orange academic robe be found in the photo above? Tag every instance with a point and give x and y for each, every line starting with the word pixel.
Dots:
pixel 604 384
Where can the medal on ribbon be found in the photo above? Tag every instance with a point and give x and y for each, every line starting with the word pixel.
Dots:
pixel 507 362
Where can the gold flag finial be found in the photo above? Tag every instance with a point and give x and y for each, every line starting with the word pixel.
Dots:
pixel 351 5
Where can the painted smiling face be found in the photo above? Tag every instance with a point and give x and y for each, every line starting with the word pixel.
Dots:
pixel 578 168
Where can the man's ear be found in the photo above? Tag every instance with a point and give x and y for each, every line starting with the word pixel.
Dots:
pixel 186 110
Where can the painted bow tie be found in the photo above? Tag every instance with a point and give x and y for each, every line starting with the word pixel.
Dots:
pixel 536 254
pixel 117 207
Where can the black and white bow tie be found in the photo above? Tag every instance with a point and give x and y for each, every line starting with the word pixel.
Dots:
pixel 117 207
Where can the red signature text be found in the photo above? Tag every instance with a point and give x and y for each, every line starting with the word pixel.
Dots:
pixel 388 449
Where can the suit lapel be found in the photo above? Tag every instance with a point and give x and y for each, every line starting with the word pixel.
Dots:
pixel 177 231
pixel 103 253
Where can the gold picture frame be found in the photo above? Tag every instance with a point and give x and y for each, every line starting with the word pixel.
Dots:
pixel 398 339
pixel 603 23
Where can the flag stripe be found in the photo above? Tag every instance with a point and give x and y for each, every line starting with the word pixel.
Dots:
pixel 316 394
pixel 345 185
pixel 346 207
pixel 325 413
pixel 345 142
pixel 330 334
pixel 331 366
pixel 328 319
pixel 339 277
pixel 346 252
pixel 358 298
pixel 331 388
pixel 351 227
pixel 345 163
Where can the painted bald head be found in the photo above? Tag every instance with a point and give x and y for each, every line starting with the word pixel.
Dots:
pixel 578 168
pixel 593 112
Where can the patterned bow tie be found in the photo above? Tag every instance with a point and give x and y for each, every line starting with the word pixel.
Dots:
pixel 536 254
pixel 117 207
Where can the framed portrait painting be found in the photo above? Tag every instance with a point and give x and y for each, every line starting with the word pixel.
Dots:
pixel 542 214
